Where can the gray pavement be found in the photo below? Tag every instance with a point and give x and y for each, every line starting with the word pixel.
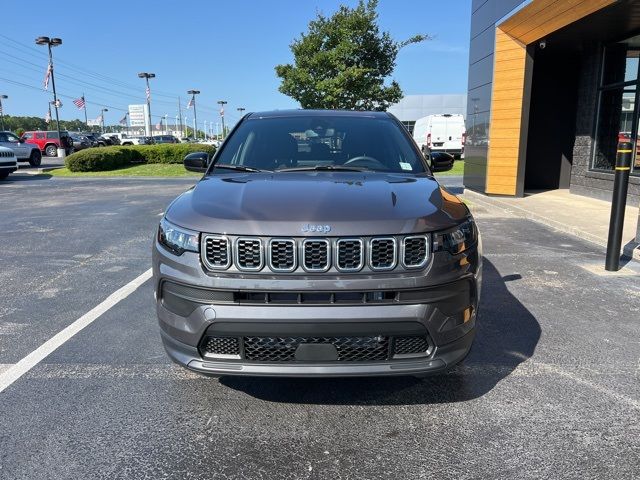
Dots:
pixel 47 162
pixel 550 389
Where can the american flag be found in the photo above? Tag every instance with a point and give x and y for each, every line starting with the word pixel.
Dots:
pixel 47 76
pixel 159 125
pixel 148 92
pixel 190 104
pixel 79 102
pixel 222 111
pixel 123 120
pixel 47 117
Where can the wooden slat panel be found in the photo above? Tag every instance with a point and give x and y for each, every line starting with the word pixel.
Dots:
pixel 500 190
pixel 507 104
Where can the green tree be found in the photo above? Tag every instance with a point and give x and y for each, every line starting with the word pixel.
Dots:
pixel 343 61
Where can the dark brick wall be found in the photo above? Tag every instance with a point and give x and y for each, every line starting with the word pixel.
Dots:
pixel 585 182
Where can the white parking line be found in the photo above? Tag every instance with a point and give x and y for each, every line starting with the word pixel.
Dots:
pixel 27 363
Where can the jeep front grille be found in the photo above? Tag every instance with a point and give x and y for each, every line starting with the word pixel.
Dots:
pixel 382 253
pixel 315 255
pixel 249 254
pixel 270 349
pixel 349 254
pixel 282 255
pixel 415 251
pixel 217 250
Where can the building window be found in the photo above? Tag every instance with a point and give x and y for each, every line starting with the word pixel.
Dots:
pixel 617 109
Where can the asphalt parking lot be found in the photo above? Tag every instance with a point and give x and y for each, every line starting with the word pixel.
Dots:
pixel 551 388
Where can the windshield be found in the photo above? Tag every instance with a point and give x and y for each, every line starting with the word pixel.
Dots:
pixel 321 142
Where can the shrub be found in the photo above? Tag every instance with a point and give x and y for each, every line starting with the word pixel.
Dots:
pixel 101 159
pixel 111 158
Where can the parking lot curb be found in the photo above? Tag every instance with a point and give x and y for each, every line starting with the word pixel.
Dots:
pixel 39 171
pixel 631 250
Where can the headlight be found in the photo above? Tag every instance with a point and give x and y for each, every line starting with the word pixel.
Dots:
pixel 457 240
pixel 176 239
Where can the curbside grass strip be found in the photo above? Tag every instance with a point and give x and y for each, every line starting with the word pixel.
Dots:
pixel 115 157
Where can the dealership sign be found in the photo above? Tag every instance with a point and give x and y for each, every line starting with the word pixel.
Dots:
pixel 137 115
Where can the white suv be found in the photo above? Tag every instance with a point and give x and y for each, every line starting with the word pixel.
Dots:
pixel 8 162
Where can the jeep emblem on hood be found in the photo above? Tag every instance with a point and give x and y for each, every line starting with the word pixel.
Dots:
pixel 309 228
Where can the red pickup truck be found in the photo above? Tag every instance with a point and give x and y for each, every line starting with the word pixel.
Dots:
pixel 48 141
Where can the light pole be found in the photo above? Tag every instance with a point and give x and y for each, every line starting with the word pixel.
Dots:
pixel 240 110
pixel 222 103
pixel 193 94
pixel 53 42
pixel 102 117
pixel 2 97
pixel 166 123
pixel 204 128
pixel 147 76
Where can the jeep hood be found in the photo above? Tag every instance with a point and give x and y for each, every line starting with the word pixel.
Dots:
pixel 350 203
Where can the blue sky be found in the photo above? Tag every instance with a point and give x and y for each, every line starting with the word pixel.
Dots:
pixel 226 50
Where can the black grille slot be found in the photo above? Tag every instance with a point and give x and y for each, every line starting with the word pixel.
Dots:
pixel 316 255
pixel 221 346
pixel 282 254
pixel 411 345
pixel 249 254
pixel 382 255
pixel 415 251
pixel 283 349
pixel 349 254
pixel 217 252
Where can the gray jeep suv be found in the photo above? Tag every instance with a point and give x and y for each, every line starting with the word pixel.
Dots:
pixel 317 243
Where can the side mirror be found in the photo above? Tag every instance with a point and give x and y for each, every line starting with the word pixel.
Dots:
pixel 22 140
pixel 441 162
pixel 197 162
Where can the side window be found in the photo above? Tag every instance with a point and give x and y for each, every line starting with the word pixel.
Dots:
pixel 40 135
pixel 52 134
pixel 28 135
pixel 12 138
pixel 3 137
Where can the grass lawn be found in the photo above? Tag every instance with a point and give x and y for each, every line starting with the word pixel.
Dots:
pixel 458 169
pixel 177 170
pixel 144 170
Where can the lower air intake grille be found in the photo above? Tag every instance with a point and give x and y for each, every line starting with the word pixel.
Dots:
pixel 221 346
pixel 283 349
pixel 411 345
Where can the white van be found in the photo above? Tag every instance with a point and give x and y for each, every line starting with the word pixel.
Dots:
pixel 441 133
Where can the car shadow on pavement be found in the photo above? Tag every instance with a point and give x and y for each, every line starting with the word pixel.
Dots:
pixel 507 336
pixel 25 178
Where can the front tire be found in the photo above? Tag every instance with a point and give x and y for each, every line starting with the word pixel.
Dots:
pixel 35 159
pixel 51 151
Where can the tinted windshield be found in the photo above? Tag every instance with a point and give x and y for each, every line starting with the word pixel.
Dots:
pixel 358 142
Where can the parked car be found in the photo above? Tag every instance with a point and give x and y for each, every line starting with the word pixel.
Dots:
pixel 24 152
pixel 350 260
pixel 165 139
pixel 8 162
pixel 80 142
pixel 95 139
pixel 442 133
pixel 48 141
pixel 125 139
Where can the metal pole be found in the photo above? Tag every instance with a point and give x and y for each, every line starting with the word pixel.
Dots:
pixel 180 115
pixel 1 113
pixel 195 119
pixel 55 98
pixel 86 119
pixel 149 108
pixel 618 204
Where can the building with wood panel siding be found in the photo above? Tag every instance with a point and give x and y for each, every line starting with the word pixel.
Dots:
pixel 553 88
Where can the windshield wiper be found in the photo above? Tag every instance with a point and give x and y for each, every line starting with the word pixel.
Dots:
pixel 320 168
pixel 240 168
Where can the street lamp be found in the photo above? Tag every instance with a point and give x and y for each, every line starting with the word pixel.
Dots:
pixel 102 117
pixel 241 109
pixel 2 97
pixel 53 42
pixel 222 103
pixel 193 94
pixel 147 76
